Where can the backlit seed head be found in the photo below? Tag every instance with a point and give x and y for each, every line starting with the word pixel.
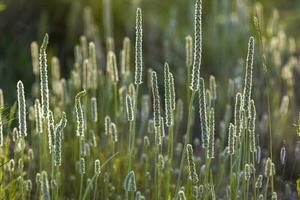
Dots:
pixel 161 162
pixel 107 122
pixel 45 186
pixel 1 99
pixel 231 139
pixel 188 51
pixel 172 90
pixel 274 196
pixel 156 100
pixel 44 77
pixel 129 182
pixel 212 87
pixel 268 168
pixel 283 155
pixel 94 112
pixel 191 164
pixel 168 96
pixel 181 195
pixel 195 192
pixel 28 185
pixel 238 115
pixel 146 141
pixel 82 166
pixel 11 165
pixel 112 67
pixel 248 75
pixel 247 172
pixel 15 134
pixel 93 62
pixel 50 131
pixel 97 167
pixel 145 107
pixel 126 50
pixel 138 48
pixel 211 136
pixel 150 127
pixel 21 109
pixel 114 132
pixel 35 57
pixel 252 126
pixel 197 47
pixel 203 114
pixel 58 139
pixel 79 114
pixel 38 117
pixel 55 69
pixel 258 183
pixel 129 108
pixel 82 149
pixel 30 154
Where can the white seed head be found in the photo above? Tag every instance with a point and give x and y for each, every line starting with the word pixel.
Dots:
pixel 21 110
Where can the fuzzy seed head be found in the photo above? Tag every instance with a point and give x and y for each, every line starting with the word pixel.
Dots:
pixel 107 122
pixel 97 167
pixel 51 128
pixel 38 117
pixel 129 182
pixel 188 51
pixel 44 77
pixel 203 114
pixel 191 164
pixel 114 132
pixel 198 46
pixel 112 67
pixel 168 96
pixel 138 48
pixel 283 155
pixel 79 114
pixel 247 172
pixel 238 114
pixel 258 183
pixel 58 139
pixel 211 136
pixel 268 168
pixel 213 87
pixel 156 100
pixel 248 75
pixel 231 139
pixel 35 57
pixel 129 108
pixel 82 165
pixel 94 112
pixel 1 99
pixel 45 186
pixel 126 50
pixel 181 195
pixel 21 109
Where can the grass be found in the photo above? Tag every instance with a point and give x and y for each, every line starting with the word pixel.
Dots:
pixel 109 132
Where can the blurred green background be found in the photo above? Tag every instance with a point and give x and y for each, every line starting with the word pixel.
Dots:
pixel 227 25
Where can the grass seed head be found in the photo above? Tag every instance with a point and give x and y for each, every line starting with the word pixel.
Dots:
pixel 129 182
pixel 191 164
pixel 138 48
pixel 44 77
pixel 21 109
pixel 198 46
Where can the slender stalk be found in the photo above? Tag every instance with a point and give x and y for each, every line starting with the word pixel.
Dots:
pixel 186 140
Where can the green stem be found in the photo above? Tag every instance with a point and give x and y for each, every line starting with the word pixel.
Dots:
pixel 186 140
